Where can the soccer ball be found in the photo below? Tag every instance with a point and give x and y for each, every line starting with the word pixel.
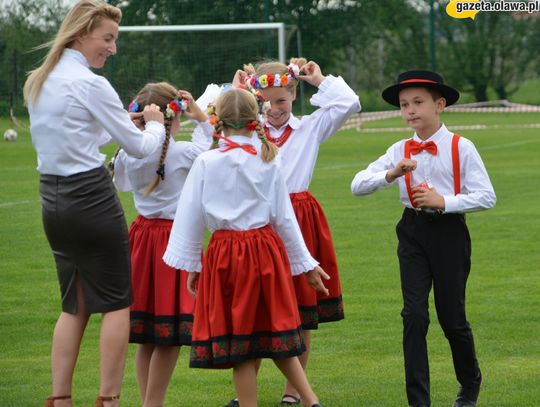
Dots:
pixel 10 135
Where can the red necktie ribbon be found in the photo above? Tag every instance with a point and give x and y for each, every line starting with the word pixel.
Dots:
pixel 417 148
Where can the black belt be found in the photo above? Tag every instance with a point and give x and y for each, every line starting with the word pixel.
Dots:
pixel 430 215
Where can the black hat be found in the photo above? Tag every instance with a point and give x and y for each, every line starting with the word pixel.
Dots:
pixel 424 79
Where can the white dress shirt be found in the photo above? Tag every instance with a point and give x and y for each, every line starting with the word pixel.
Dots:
pixel 74 110
pixel 476 189
pixel 337 102
pixel 233 190
pixel 134 174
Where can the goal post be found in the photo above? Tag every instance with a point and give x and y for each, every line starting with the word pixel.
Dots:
pixel 190 56
pixel 280 27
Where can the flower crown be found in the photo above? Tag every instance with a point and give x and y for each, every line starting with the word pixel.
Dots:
pixel 251 125
pixel 271 80
pixel 174 107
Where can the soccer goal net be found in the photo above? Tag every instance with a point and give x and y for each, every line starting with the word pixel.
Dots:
pixel 189 56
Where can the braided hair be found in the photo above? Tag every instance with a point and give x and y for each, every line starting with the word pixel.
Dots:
pixel 238 107
pixel 161 94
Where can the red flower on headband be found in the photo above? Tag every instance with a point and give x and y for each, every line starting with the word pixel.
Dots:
pixel 252 125
pixel 174 106
pixel 271 78
pixel 212 119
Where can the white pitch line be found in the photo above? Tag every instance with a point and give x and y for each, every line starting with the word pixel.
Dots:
pixel 6 204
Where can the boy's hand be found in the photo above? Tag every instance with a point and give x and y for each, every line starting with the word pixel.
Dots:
pixel 239 79
pixel 314 279
pixel 193 110
pixel 427 198
pixel 402 167
pixel 311 74
pixel 192 282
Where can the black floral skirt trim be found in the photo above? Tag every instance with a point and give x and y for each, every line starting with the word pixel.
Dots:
pixel 160 330
pixel 225 351
pixel 327 310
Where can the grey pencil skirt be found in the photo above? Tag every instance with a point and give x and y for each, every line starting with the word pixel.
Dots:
pixel 87 231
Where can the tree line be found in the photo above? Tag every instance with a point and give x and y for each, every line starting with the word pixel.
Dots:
pixel 368 42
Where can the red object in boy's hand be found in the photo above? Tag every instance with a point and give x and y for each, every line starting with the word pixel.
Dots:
pixel 421 185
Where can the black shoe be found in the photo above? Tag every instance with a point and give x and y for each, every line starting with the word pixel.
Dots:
pixel 462 402
pixel 468 395
pixel 233 403
pixel 418 405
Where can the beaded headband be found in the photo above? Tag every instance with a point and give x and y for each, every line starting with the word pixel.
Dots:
pixel 271 80
pixel 174 107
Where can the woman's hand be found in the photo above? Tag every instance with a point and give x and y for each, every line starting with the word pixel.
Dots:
pixel 152 113
pixel 137 119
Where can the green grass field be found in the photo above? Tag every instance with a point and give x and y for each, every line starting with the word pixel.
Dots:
pixel 355 362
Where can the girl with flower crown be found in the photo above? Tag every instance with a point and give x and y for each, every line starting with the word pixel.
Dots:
pixel 245 306
pixel 162 310
pixel 298 140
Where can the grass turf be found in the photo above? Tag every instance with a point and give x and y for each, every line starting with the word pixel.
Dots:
pixel 355 362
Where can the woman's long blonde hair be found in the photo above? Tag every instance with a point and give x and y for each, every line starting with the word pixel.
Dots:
pixel 82 19
pixel 238 106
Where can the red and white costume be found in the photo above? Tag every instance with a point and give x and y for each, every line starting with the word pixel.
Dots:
pixel 245 307
pixel 162 309
pixel 337 102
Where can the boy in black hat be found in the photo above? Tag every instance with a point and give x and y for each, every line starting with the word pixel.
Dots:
pixel 441 177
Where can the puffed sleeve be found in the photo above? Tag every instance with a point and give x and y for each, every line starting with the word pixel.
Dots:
pixel 337 102
pixel 185 242
pixel 120 178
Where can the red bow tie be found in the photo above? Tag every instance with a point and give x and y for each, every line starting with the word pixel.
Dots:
pixel 417 148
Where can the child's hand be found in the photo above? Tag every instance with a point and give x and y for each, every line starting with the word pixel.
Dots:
pixel 240 78
pixel 427 198
pixel 315 281
pixel 311 74
pixel 193 110
pixel 152 112
pixel 402 167
pixel 192 283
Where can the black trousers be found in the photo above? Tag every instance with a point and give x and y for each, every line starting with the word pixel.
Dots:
pixel 434 251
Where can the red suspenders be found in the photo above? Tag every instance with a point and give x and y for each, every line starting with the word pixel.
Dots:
pixel 455 167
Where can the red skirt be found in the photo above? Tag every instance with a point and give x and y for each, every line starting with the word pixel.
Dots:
pixel 315 307
pixel 245 307
pixel 162 309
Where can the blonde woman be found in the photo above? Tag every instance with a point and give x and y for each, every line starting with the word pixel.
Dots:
pixel 71 109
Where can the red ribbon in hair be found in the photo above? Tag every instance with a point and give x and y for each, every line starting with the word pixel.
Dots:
pixel 252 125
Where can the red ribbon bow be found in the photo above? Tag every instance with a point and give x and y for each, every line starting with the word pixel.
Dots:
pixel 230 145
pixel 417 148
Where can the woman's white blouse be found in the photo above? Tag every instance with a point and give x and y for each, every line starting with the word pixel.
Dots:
pixel 234 190
pixel 74 111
